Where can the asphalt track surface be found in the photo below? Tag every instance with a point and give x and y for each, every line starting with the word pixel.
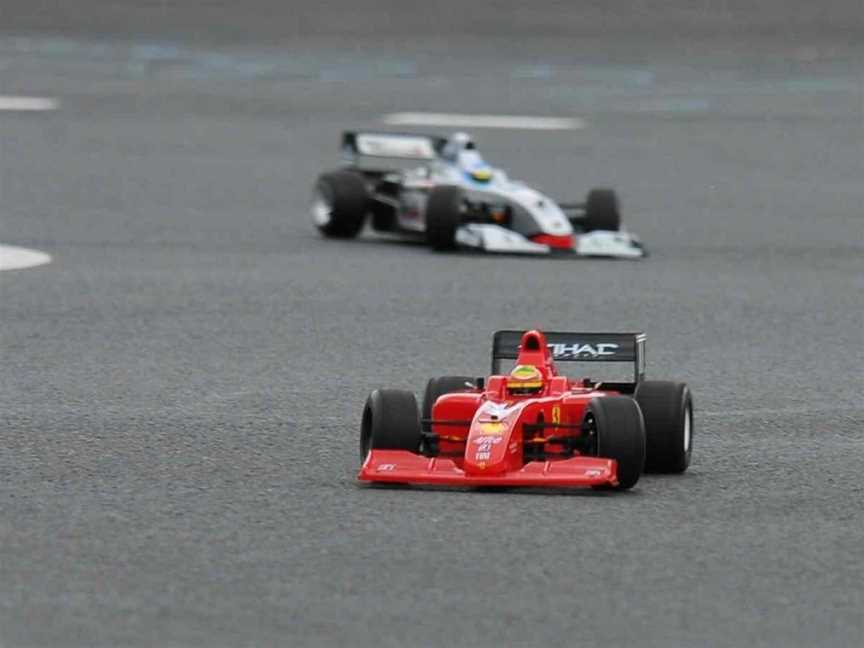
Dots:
pixel 181 387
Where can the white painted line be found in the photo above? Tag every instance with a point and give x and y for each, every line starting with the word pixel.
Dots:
pixel 28 104
pixel 18 258
pixel 521 122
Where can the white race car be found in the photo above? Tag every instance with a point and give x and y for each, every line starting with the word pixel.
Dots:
pixel 442 191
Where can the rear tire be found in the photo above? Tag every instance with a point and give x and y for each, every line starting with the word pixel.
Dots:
pixel 601 211
pixel 437 387
pixel 443 216
pixel 391 421
pixel 620 436
pixel 667 408
pixel 340 204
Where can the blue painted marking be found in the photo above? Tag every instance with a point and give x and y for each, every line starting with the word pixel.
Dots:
pixel 540 71
pixel 176 61
pixel 614 74
pixel 822 85
pixel 155 52
pixel 675 105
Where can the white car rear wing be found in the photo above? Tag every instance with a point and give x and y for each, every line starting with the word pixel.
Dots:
pixel 357 147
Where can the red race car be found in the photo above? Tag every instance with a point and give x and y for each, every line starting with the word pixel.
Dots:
pixel 532 426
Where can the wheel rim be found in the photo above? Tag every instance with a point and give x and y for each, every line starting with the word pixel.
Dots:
pixel 322 210
pixel 687 430
pixel 589 427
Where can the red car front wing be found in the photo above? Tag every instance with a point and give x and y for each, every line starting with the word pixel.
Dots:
pixel 401 466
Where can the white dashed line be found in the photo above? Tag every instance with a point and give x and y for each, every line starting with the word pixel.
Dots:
pixel 519 122
pixel 27 104
pixel 18 258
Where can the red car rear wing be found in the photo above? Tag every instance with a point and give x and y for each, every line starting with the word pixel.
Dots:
pixel 577 347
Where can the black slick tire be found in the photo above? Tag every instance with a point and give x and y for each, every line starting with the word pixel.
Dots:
pixel 620 435
pixel 667 408
pixel 391 421
pixel 340 204
pixel 443 216
pixel 601 211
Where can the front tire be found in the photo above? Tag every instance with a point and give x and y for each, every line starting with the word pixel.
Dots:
pixel 668 411
pixel 444 211
pixel 620 435
pixel 391 421
pixel 340 204
pixel 601 211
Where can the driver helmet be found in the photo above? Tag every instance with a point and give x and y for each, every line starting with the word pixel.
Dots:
pixel 456 144
pixel 468 158
pixel 524 380
pixel 462 141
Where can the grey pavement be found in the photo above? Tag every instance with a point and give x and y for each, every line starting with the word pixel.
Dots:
pixel 181 388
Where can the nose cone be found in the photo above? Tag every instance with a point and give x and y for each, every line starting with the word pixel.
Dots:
pixel 490 447
pixel 486 452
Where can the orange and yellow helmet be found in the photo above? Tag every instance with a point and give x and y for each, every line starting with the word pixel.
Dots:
pixel 524 379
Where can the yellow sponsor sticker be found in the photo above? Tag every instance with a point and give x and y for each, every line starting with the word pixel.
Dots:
pixel 492 427
pixel 556 415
